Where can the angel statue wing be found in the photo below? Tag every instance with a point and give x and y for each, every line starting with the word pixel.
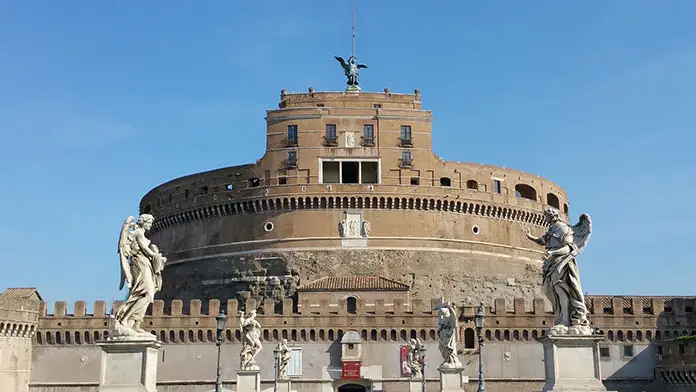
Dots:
pixel 124 251
pixel 419 343
pixel 581 233
pixel 362 66
pixel 455 321
pixel 342 61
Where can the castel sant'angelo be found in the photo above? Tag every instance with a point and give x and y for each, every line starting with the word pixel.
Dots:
pixel 348 232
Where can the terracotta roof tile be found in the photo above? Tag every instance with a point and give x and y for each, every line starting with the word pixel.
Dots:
pixel 354 283
pixel 21 293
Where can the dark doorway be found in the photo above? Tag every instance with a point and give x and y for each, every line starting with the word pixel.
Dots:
pixel 352 388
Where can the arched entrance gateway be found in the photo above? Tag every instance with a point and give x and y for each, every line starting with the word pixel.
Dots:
pixel 352 388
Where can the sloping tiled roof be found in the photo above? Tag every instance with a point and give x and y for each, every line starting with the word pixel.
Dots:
pixel 21 293
pixel 354 283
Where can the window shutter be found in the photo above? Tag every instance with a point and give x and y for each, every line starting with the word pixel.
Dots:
pixel 295 365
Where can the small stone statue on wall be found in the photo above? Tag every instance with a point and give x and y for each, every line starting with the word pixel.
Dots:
pixel 284 359
pixel 447 331
pixel 251 340
pixel 365 228
pixel 141 271
pixel 413 357
pixel 561 277
pixel 342 228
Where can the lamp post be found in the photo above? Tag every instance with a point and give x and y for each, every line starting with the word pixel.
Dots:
pixel 422 365
pixel 276 367
pixel 479 329
pixel 220 321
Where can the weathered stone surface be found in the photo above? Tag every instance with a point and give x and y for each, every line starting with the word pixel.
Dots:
pixel 430 273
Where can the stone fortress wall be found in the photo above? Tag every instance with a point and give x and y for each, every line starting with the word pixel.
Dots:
pixel 449 228
pixel 641 323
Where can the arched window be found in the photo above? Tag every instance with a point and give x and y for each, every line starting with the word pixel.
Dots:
pixel 469 338
pixel 472 184
pixel 565 208
pixel 552 200
pixel 525 191
pixel 351 305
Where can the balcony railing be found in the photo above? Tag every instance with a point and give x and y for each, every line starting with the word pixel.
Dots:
pixel 368 142
pixel 290 163
pixel 330 141
pixel 405 142
pixel 290 142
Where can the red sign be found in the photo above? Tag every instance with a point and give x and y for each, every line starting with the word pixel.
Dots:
pixel 351 370
pixel 405 369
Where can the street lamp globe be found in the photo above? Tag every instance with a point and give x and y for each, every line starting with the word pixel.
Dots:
pixel 479 317
pixel 221 321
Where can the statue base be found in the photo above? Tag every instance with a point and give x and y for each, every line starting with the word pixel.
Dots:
pixel 451 379
pixel 353 89
pixel 129 365
pixel 284 385
pixel 249 380
pixel 571 363
pixel 415 385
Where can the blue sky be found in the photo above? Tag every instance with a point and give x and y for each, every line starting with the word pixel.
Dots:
pixel 101 101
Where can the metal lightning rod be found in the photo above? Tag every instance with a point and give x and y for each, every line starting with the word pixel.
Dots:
pixel 353 39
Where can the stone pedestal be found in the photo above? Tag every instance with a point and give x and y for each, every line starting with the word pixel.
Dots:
pixel 129 365
pixel 451 379
pixel 415 385
pixel 571 363
pixel 249 380
pixel 284 385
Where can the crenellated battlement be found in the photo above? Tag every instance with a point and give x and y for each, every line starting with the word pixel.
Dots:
pixel 597 305
pixel 520 320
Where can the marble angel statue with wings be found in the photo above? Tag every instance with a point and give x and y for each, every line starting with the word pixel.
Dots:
pixel 141 272
pixel 414 357
pixel 561 276
pixel 447 331
pixel 251 340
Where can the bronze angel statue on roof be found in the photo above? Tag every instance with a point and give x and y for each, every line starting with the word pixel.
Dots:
pixel 141 271
pixel 561 277
pixel 351 70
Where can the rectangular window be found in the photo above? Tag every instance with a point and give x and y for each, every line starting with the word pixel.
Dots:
pixel 330 134
pixel 405 133
pixel 628 350
pixel 406 160
pixel 330 172
pixel 292 158
pixel 496 186
pixel 376 105
pixel 349 172
pixel 282 180
pixel 415 181
pixel 369 172
pixel 295 364
pixel 604 352
pixel 368 135
pixel 292 135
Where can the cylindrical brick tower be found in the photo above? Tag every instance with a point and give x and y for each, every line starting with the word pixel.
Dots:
pixel 350 185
